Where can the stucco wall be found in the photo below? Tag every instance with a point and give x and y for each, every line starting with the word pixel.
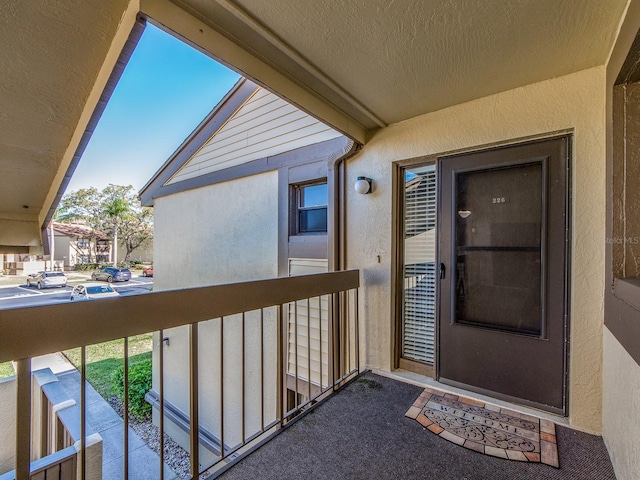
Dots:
pixel 63 251
pixel 217 234
pixel 222 233
pixel 575 102
pixel 621 403
pixel 7 423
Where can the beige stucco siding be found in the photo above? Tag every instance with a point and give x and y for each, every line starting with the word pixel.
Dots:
pixel 574 102
pixel 63 250
pixel 217 234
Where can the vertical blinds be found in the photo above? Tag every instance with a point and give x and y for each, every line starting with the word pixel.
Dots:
pixel 418 308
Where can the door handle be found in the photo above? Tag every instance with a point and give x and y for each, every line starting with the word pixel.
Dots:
pixel 443 271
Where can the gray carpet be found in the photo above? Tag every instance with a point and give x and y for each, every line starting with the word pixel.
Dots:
pixel 362 432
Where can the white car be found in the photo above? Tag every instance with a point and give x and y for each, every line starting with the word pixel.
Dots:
pixel 92 291
pixel 47 279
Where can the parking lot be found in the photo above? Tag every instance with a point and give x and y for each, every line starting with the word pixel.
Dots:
pixel 18 296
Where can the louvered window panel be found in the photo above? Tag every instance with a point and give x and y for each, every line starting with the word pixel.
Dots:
pixel 418 306
pixel 312 338
pixel 310 321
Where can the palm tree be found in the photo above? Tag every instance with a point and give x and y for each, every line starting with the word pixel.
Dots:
pixel 117 209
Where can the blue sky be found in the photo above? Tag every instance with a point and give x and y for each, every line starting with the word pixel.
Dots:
pixel 165 92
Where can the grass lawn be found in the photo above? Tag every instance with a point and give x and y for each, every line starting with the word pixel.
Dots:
pixel 13 279
pixel 6 370
pixel 104 359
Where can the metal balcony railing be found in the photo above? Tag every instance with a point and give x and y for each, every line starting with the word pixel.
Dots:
pixel 254 355
pixel 55 431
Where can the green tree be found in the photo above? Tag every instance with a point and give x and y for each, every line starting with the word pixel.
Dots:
pixel 82 206
pixel 129 221
pixel 115 211
pixel 136 229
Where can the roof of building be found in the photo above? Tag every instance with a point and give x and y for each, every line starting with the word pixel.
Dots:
pixel 250 123
pixel 78 230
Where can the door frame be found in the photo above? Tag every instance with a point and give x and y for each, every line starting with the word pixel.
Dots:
pixel 397 264
pixel 397 260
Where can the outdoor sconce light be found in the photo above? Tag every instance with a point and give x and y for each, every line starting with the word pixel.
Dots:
pixel 363 185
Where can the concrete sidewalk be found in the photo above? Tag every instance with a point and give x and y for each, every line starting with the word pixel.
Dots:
pixel 101 418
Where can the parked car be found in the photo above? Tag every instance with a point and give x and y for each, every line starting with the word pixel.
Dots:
pixel 147 272
pixel 112 274
pixel 47 279
pixel 92 291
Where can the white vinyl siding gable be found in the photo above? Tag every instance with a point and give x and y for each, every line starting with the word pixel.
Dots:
pixel 265 125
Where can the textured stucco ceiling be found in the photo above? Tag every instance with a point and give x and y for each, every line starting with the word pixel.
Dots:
pixel 50 55
pixel 373 62
pixel 403 58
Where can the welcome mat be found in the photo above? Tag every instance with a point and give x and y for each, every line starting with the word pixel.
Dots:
pixel 486 428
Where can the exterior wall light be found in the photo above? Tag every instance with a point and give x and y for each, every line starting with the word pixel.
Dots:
pixel 363 185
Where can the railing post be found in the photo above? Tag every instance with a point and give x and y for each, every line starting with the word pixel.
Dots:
pixel 280 394
pixel 221 387
pixel 320 340
pixel 262 369
pixel 126 408
pixel 334 336
pixel 295 351
pixel 161 409
pixel 23 419
pixel 357 328
pixel 346 333
pixel 243 419
pixel 194 428
pixel 83 412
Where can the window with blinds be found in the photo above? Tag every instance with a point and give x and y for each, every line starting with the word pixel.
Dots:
pixel 419 270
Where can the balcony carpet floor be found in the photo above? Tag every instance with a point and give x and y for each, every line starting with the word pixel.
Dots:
pixel 362 432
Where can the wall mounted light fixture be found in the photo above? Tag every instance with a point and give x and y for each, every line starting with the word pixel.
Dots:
pixel 363 185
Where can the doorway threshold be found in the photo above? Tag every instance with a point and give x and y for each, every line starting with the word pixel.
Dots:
pixel 422 381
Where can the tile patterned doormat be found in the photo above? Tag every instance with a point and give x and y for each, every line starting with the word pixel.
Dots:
pixel 486 428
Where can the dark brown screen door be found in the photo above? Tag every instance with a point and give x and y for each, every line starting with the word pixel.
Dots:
pixel 503 287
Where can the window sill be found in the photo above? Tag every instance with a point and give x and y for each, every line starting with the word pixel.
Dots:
pixel 308 238
pixel 628 290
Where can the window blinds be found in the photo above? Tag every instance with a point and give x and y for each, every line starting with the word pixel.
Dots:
pixel 418 306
